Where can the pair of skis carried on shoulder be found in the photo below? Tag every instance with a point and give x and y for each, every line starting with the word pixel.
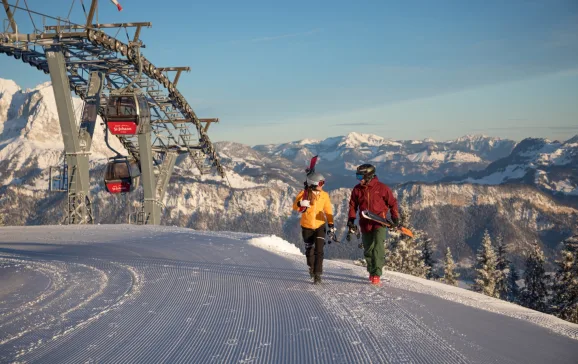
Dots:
pixel 309 171
pixel 387 223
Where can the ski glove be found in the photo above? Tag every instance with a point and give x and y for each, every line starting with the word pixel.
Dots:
pixel 395 222
pixel 351 224
pixel 304 203
pixel 331 233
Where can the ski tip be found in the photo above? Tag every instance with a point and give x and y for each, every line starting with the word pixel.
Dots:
pixel 406 231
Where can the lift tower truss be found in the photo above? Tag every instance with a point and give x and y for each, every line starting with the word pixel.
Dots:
pixel 85 59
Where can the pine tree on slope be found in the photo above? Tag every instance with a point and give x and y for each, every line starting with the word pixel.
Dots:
pixel 405 255
pixel 502 270
pixel 565 289
pixel 427 257
pixel 450 275
pixel 535 292
pixel 512 284
pixel 405 213
pixel 485 281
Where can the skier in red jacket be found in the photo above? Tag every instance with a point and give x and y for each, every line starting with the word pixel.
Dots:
pixel 372 195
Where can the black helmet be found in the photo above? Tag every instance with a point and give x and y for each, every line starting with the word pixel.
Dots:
pixel 365 171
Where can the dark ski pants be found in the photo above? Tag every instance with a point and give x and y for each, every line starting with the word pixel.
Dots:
pixel 374 250
pixel 314 241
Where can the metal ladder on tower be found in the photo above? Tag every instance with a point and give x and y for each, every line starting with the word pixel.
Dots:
pixel 77 201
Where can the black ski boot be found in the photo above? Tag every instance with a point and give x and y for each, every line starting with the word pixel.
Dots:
pixel 317 279
pixel 311 273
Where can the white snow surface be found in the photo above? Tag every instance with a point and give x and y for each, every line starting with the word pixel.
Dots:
pixel 275 244
pixel 122 293
pixel 443 157
pixel 551 153
pixel 510 172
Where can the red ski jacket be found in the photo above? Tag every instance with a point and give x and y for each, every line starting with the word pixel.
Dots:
pixel 375 197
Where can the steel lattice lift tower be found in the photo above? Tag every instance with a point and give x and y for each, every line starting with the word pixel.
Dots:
pixel 138 102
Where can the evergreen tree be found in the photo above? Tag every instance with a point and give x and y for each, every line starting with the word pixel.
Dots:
pixel 485 281
pixel 565 289
pixel 390 249
pixel 405 213
pixel 404 254
pixel 415 262
pixel 406 257
pixel 502 270
pixel 535 292
pixel 450 276
pixel 427 257
pixel 512 286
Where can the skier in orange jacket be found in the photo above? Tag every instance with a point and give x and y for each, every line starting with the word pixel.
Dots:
pixel 318 211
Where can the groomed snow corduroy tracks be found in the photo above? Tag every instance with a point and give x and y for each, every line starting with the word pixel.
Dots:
pixel 128 294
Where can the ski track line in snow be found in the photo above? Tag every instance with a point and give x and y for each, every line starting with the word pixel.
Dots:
pixel 62 289
pixel 251 304
pixel 49 271
pixel 175 296
pixel 406 339
pixel 109 301
pixel 62 308
pixel 124 295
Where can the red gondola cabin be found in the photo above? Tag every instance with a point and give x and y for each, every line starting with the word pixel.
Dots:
pixel 121 175
pixel 126 113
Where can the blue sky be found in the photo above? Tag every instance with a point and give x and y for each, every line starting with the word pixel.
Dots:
pixel 282 71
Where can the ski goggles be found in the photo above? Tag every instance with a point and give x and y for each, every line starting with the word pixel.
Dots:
pixel 318 184
pixel 359 176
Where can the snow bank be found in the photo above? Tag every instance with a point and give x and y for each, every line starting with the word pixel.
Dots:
pixel 482 302
pixel 275 244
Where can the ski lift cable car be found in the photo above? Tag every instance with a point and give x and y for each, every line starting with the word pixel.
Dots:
pixel 127 112
pixel 121 175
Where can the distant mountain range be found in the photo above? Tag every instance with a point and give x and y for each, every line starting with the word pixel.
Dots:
pixel 397 161
pixel 523 191
pixel 551 166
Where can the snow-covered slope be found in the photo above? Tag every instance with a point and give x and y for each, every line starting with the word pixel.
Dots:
pixel 108 294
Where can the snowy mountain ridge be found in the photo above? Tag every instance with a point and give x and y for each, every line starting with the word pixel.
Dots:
pixel 397 161
pixel 550 165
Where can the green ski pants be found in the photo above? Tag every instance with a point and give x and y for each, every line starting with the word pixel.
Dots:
pixel 373 250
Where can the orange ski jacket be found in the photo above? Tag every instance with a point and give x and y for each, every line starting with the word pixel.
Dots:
pixel 320 209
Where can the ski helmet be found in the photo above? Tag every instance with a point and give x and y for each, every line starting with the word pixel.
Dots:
pixel 365 171
pixel 315 179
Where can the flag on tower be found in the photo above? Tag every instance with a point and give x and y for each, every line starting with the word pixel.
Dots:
pixel 115 2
